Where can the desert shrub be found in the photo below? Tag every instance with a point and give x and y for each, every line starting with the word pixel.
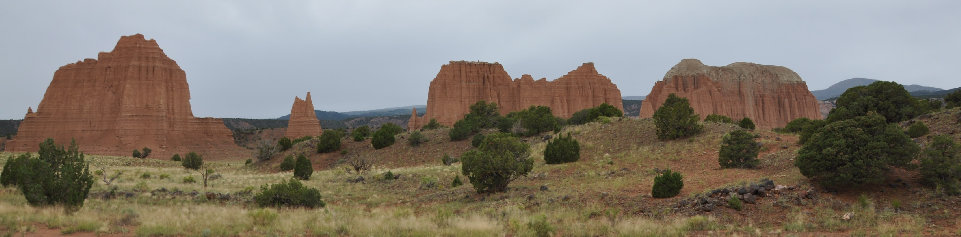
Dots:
pixel 676 119
pixel 608 110
pixel 58 177
pixel 359 163
pixel 11 169
pixel 175 157
pixel 456 182
pixel 562 150
pixel 500 159
pixel 717 118
pixel 540 226
pixel 888 99
pixel 193 161
pixel 537 119
pixel 746 123
pixel 735 203
pixel 462 129
pixel 136 154
pixel 505 124
pixel 146 152
pixel 808 130
pixel 433 124
pixel 164 176
pixel 329 142
pixel 739 150
pixel 360 133
pixel 392 129
pixel 189 180
pixel 416 138
pixel 265 150
pixel 917 130
pixel 288 194
pixel 929 105
pixel 262 217
pixel 284 143
pixel 145 175
pixel 141 187
pixel 447 160
pixel 941 165
pixel 302 139
pixel 248 162
pixel 796 125
pixel 288 163
pixel 390 175
pixel 667 184
pixel 855 152
pixel 303 168
pixel 951 100
pixel 382 138
pixel 584 116
pixel 483 114
pixel 476 141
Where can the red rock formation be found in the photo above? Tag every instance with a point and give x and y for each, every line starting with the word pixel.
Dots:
pixel 461 84
pixel 129 98
pixel 303 120
pixel 772 96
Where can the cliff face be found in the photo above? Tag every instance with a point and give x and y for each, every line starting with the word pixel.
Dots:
pixel 129 98
pixel 303 120
pixel 461 84
pixel 772 96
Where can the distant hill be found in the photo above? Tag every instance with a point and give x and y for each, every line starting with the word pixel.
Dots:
pixel 9 127
pixel 636 97
pixel 632 108
pixel 338 116
pixel 838 88
pixel 934 94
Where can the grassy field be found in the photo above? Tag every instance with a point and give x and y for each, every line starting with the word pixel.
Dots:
pixel 606 193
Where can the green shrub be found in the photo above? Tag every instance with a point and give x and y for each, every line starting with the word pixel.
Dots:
pixel 941 165
pixel 667 184
pixel 584 116
pixel 145 175
pixel 855 152
pixel 248 162
pixel 476 141
pixel 302 139
pixel 303 168
pixel 265 151
pixel 189 180
pixel 447 160
pixel 735 203
pixel 329 142
pixel 739 149
pixel 500 159
pixel 360 133
pixel 175 157
pixel 917 130
pixel 136 154
pixel 505 124
pixel 433 124
pixel 483 114
pixel 717 118
pixel 746 123
pixel 58 177
pixel 416 138
pixel 888 99
pixel 145 153
pixel 456 182
pixel 288 194
pixel 537 119
pixel 164 176
pixel 797 125
pixel 951 100
pixel 462 129
pixel 389 175
pixel 284 143
pixel 540 226
pixel 608 110
pixel 11 169
pixel 562 150
pixel 809 129
pixel 193 161
pixel 392 129
pixel 676 119
pixel 288 163
pixel 382 138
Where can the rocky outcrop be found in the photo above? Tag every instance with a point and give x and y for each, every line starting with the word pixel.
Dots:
pixel 460 84
pixel 126 99
pixel 772 96
pixel 303 121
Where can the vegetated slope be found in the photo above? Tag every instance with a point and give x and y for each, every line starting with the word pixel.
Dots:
pixel 632 108
pixel 9 127
pixel 838 88
pixel 403 110
pixel 933 94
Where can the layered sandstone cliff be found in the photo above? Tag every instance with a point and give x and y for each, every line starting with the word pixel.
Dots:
pixel 126 99
pixel 772 96
pixel 461 84
pixel 303 120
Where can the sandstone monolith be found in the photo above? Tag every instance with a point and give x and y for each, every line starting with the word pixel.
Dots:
pixel 303 120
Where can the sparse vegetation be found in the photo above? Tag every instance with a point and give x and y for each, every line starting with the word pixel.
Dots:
pixel 360 133
pixel 951 100
pixel 917 130
pixel 288 163
pixel 448 160
pixel 667 184
pixel 284 143
pixel 746 123
pixel 266 150
pixel 739 149
pixel 676 119
pixel 175 157
pixel 499 160
pixel 735 203
pixel 562 149
pixel 289 194
pixel 717 118
pixel 856 151
pixel 592 114
pixel 941 165
pixel 416 138
pixel 433 124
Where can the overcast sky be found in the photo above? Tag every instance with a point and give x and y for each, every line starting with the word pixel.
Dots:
pixel 250 58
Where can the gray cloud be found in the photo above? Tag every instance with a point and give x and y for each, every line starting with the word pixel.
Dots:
pixel 250 58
